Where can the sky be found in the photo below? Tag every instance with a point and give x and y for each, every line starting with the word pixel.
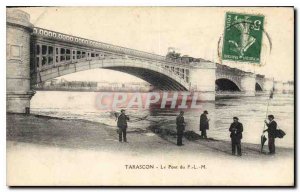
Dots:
pixel 193 31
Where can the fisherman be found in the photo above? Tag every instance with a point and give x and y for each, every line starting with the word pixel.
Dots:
pixel 272 125
pixel 122 125
pixel 180 127
pixel 236 129
pixel 204 124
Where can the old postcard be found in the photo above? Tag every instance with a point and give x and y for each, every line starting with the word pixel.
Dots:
pixel 150 96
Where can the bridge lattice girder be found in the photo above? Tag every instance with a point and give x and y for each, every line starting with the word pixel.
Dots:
pixel 54 54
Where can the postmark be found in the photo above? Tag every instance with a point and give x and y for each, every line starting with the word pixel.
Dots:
pixel 243 37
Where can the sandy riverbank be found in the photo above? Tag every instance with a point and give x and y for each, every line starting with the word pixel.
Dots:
pixel 54 148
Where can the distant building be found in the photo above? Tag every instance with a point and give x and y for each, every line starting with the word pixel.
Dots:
pixel 65 85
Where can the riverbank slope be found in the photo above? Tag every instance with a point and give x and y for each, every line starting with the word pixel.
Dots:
pixel 53 148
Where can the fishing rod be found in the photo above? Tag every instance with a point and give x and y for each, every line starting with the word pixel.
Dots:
pixel 139 118
pixel 263 137
pixel 266 113
pixel 144 118
pixel 270 97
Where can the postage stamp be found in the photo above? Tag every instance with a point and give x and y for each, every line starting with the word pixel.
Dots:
pixel 243 37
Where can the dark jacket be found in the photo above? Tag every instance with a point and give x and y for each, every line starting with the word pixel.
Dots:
pixel 272 129
pixel 203 122
pixel 122 121
pixel 236 130
pixel 180 123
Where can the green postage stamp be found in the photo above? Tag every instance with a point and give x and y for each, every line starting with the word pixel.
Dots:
pixel 243 37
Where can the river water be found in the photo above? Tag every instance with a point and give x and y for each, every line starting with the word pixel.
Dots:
pixel 250 110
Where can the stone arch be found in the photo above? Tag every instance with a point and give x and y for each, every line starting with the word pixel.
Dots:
pixel 224 84
pixel 258 87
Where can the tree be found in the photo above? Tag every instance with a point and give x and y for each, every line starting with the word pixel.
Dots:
pixel 173 55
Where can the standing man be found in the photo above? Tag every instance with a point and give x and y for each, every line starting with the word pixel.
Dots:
pixel 272 125
pixel 180 128
pixel 236 129
pixel 122 125
pixel 204 124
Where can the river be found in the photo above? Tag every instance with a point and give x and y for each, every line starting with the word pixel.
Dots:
pixel 250 110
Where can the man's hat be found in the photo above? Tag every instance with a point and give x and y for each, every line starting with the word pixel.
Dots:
pixel 122 110
pixel 236 118
pixel 205 112
pixel 271 116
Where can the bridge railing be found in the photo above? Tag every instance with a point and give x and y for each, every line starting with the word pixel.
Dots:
pixel 48 52
pixel 53 49
pixel 45 33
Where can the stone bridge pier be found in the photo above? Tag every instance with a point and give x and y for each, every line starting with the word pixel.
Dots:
pixel 18 30
pixel 278 87
pixel 288 87
pixel 268 84
pixel 248 81
pixel 202 80
pixel 264 84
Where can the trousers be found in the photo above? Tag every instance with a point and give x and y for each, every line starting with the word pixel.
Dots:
pixel 122 132
pixel 179 137
pixel 203 133
pixel 271 144
pixel 236 144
